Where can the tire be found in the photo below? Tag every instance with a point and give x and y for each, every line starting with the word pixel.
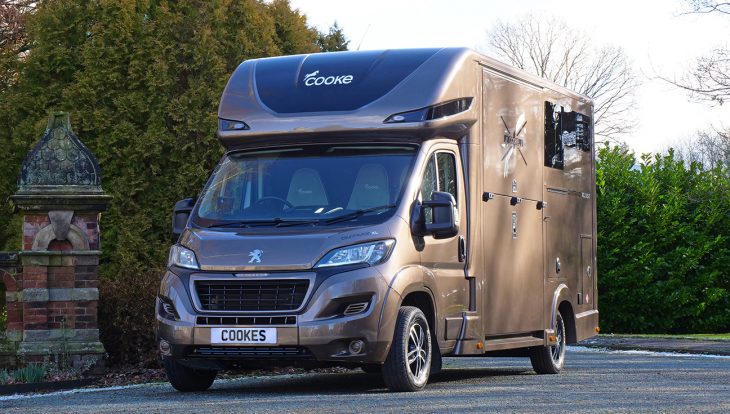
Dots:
pixel 372 368
pixel 551 359
pixel 408 364
pixel 436 360
pixel 187 379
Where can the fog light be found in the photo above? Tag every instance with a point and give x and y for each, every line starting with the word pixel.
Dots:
pixel 356 346
pixel 165 348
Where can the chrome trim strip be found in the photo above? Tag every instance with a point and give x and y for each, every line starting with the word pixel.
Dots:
pixel 586 314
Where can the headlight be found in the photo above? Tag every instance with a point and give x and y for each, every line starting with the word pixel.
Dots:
pixel 182 257
pixel 371 253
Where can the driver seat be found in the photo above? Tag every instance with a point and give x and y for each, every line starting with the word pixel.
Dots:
pixel 371 188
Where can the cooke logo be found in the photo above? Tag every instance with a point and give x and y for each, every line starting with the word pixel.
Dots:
pixel 311 79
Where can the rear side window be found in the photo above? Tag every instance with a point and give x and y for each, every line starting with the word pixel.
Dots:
pixel 565 131
pixel 554 152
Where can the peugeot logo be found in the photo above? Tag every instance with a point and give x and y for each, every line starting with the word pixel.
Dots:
pixel 255 256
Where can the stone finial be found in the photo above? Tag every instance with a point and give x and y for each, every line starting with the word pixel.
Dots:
pixel 60 173
pixel 60 161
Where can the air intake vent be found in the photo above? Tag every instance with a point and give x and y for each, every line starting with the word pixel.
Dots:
pixel 355 308
pixel 292 352
pixel 247 320
pixel 251 295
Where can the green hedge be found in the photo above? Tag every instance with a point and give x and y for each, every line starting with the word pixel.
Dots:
pixel 142 80
pixel 663 244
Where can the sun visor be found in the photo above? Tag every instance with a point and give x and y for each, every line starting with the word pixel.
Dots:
pixel 342 81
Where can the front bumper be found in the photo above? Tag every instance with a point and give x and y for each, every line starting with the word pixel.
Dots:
pixel 317 333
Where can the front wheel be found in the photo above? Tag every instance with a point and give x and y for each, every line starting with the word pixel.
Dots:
pixel 408 364
pixel 550 359
pixel 187 379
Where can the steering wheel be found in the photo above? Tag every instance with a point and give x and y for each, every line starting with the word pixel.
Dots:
pixel 269 199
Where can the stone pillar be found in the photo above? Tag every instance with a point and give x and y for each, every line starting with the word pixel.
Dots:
pixel 55 301
pixel 10 337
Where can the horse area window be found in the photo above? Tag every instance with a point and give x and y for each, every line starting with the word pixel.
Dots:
pixel 564 130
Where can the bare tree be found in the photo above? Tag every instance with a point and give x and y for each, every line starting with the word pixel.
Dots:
pixel 708 6
pixel 549 48
pixel 13 36
pixel 708 148
pixel 709 80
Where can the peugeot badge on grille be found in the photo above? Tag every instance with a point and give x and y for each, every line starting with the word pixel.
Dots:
pixel 255 256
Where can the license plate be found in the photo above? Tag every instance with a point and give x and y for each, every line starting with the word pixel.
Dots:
pixel 243 335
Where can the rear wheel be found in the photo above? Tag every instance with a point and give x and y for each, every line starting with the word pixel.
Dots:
pixel 408 364
pixel 550 359
pixel 187 379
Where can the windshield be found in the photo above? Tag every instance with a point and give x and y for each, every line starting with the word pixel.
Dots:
pixel 312 184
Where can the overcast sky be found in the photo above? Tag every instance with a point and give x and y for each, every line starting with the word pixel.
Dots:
pixel 654 34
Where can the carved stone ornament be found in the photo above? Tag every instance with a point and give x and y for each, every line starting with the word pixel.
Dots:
pixel 60 161
pixel 60 173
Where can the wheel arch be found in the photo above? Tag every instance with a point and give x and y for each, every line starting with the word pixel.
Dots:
pixel 561 303
pixel 566 311
pixel 423 300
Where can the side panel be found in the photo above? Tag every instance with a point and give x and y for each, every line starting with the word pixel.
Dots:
pixel 512 128
pixel 514 286
pixel 586 274
pixel 569 191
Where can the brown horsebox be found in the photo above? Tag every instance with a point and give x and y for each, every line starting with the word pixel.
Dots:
pixel 383 209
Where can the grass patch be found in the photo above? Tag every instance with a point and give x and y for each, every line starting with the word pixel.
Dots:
pixel 724 336
pixel 28 374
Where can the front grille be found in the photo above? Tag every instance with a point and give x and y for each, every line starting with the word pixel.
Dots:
pixel 251 295
pixel 293 352
pixel 247 320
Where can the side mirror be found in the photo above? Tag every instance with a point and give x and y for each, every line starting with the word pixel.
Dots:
pixel 443 217
pixel 180 215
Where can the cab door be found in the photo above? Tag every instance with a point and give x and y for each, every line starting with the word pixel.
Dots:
pixel 444 259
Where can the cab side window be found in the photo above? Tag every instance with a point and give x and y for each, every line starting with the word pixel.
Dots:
pixel 430 183
pixel 440 175
pixel 446 172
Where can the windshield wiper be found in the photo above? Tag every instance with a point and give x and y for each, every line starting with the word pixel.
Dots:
pixel 275 222
pixel 358 213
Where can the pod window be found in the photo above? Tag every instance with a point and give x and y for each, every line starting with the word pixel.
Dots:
pixel 564 129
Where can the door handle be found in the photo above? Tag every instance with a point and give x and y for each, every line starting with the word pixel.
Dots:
pixel 462 249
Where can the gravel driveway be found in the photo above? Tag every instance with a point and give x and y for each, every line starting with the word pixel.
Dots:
pixel 594 381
